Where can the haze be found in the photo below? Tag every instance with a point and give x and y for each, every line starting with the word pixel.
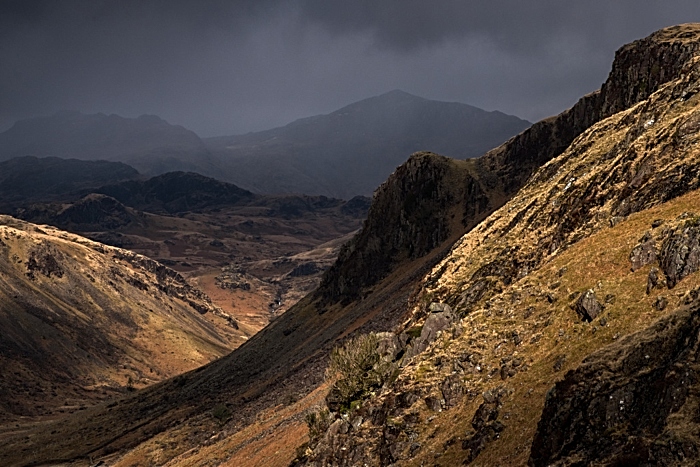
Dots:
pixel 228 67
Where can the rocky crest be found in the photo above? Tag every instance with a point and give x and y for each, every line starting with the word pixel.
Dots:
pixel 626 149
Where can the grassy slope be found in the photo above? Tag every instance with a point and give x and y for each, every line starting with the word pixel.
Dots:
pixel 599 165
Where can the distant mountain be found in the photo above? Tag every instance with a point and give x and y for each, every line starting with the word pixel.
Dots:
pixel 28 178
pixel 179 192
pixel 343 154
pixel 147 143
pixel 176 192
pixel 352 150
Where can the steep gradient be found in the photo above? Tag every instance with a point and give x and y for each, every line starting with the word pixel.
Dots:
pixel 592 248
pixel 82 321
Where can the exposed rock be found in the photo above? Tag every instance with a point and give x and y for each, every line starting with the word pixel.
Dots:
pixel 231 280
pixel 588 306
pixel 439 307
pixel 654 281
pixel 434 403
pixel 42 259
pixel 486 425
pixel 660 303
pixel 559 362
pixel 437 321
pixel 644 253
pixel 632 403
pixel 452 390
pixel 170 282
pixel 305 269
pixel 680 252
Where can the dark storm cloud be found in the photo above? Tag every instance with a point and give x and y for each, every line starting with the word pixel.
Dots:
pixel 223 67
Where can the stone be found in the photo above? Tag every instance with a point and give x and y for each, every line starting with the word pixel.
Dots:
pixel 433 403
pixel 644 253
pixel 661 303
pixel 653 280
pixel 559 363
pixel 487 427
pixel 452 390
pixel 631 403
pixel 587 306
pixel 439 307
pixel 436 322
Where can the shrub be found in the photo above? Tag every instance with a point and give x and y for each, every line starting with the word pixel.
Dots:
pixel 355 370
pixel 318 422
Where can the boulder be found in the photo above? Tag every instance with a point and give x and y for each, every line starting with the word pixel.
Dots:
pixel 644 253
pixel 437 321
pixel 631 403
pixel 587 306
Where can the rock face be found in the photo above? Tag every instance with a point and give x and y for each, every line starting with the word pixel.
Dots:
pixel 410 216
pixel 440 318
pixel 632 403
pixel 680 252
pixel 644 253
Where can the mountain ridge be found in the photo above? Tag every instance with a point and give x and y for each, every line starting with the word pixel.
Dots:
pixel 352 150
pixel 544 281
pixel 458 399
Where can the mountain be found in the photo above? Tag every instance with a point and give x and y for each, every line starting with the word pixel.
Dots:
pixel 545 355
pixel 29 179
pixel 351 151
pixel 507 292
pixel 255 255
pixel 176 192
pixel 148 143
pixel 83 322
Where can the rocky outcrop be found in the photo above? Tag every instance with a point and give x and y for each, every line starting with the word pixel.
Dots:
pixel 632 403
pixel 644 253
pixel 587 306
pixel 680 252
pixel 170 281
pixel 486 425
pixel 407 217
pixel 412 213
pixel 440 318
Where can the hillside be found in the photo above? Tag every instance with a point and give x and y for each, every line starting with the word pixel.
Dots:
pixel 254 255
pixel 31 179
pixel 491 277
pixel 83 322
pixel 597 245
pixel 148 143
pixel 351 151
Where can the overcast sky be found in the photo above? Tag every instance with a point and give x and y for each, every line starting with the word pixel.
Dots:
pixel 226 67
